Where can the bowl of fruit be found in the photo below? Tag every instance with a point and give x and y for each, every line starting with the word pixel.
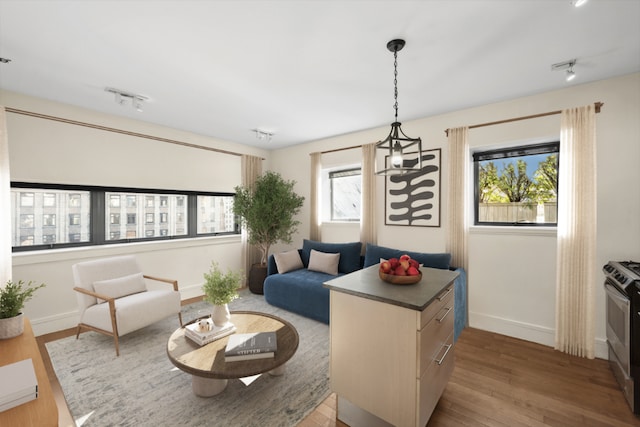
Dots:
pixel 400 271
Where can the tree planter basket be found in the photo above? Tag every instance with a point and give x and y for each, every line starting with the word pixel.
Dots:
pixel 11 327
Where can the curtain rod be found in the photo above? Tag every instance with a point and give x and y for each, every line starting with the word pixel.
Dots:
pixel 335 150
pixel 598 106
pixel 120 131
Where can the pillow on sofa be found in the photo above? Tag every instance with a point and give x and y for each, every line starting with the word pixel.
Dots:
pixel 349 253
pixel 374 253
pixel 288 261
pixel 324 262
pixel 120 287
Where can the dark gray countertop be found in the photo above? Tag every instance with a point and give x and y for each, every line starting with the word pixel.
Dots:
pixel 366 283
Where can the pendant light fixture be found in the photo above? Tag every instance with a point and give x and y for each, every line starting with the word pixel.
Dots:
pixel 396 144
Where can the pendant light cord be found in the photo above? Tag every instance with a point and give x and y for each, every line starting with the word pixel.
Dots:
pixel 395 81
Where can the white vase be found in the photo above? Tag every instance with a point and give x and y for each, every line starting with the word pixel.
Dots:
pixel 220 314
pixel 11 327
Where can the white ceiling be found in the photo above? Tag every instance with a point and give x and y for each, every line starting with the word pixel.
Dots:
pixel 306 70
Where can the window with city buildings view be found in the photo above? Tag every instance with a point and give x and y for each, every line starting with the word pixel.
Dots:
pixel 517 185
pixel 60 216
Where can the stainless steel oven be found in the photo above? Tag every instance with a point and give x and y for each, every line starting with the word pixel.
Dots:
pixel 622 287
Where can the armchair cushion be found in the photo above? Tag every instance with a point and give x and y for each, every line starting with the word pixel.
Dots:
pixel 121 286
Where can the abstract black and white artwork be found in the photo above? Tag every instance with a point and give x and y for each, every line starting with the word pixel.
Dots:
pixel 413 198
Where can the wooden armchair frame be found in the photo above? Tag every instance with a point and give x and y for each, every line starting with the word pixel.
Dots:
pixel 112 310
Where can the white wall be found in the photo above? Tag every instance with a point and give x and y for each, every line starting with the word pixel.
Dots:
pixel 512 272
pixel 47 151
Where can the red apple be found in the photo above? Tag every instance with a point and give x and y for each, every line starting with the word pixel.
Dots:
pixel 404 264
pixel 414 263
pixel 385 266
pixel 404 257
pixel 399 271
pixel 394 263
pixel 412 271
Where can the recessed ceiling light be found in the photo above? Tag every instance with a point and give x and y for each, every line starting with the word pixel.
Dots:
pixel 578 3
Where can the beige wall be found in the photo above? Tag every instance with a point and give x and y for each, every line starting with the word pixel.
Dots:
pixel 512 272
pixel 52 152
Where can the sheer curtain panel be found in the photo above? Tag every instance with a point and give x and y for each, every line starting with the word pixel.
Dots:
pixel 314 220
pixel 576 242
pixel 251 169
pixel 5 202
pixel 368 231
pixel 458 197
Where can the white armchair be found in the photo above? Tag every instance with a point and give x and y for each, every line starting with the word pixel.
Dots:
pixel 114 300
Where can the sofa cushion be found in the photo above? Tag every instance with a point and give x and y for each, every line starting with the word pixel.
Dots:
pixel 434 260
pixel 288 261
pixel 323 262
pixel 349 253
pixel 121 286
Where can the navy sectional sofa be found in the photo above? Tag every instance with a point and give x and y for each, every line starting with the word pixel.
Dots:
pixel 301 291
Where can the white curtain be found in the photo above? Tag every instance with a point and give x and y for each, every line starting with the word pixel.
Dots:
pixel 368 230
pixel 576 242
pixel 458 197
pixel 5 202
pixel 251 169
pixel 315 231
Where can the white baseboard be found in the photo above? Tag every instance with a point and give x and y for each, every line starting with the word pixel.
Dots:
pixel 526 331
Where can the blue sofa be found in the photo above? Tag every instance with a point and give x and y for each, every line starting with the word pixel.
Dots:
pixel 301 291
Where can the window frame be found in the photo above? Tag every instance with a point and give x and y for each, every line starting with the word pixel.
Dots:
pixel 514 151
pixel 347 171
pixel 98 210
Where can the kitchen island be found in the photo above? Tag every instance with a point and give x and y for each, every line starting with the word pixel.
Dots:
pixel 391 350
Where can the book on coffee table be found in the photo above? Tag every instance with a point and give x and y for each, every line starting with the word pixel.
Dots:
pixel 18 384
pixel 258 345
pixel 193 332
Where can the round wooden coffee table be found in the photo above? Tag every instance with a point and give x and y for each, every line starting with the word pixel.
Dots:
pixel 207 364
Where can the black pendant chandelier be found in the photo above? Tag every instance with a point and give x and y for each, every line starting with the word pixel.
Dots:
pixel 398 160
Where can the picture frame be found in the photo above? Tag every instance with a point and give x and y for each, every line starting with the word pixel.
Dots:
pixel 413 198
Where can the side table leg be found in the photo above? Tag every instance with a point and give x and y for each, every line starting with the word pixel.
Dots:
pixel 207 387
pixel 277 371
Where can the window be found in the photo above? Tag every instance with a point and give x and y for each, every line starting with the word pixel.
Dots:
pixel 517 185
pixel 100 215
pixel 345 193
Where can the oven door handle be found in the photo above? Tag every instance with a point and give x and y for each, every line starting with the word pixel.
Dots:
pixel 614 293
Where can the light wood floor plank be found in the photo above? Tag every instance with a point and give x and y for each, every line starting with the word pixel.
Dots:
pixel 497 381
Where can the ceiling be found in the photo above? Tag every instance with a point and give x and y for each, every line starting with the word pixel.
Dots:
pixel 306 70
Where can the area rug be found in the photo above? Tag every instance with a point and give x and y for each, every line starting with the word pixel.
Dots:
pixel 143 388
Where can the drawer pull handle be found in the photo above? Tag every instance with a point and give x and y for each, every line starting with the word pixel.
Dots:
pixel 441 297
pixel 444 315
pixel 439 361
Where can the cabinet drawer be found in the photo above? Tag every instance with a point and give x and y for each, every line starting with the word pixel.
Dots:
pixel 436 305
pixel 433 336
pixel 434 380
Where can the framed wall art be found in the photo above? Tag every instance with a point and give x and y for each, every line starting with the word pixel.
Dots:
pixel 413 198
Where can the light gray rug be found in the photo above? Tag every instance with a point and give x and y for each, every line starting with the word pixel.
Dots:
pixel 143 388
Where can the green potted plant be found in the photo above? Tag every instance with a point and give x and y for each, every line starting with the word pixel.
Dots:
pixel 13 297
pixel 267 210
pixel 220 289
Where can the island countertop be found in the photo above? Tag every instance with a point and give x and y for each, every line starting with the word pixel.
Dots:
pixel 366 283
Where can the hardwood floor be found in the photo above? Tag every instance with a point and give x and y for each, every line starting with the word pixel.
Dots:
pixel 497 381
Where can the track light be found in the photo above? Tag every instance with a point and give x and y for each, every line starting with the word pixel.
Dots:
pixel 122 97
pixel 262 135
pixel 566 66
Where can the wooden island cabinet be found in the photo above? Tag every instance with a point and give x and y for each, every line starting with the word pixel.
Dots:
pixel 391 352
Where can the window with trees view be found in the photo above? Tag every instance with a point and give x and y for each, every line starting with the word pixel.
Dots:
pixel 517 185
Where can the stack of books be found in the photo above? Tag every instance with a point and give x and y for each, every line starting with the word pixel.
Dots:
pixel 18 384
pixel 257 345
pixel 193 332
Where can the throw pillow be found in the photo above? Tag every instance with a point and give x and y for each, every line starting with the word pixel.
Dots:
pixel 324 262
pixel 288 261
pixel 349 253
pixel 120 287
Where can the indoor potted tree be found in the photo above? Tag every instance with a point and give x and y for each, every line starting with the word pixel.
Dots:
pixel 220 289
pixel 13 297
pixel 267 210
